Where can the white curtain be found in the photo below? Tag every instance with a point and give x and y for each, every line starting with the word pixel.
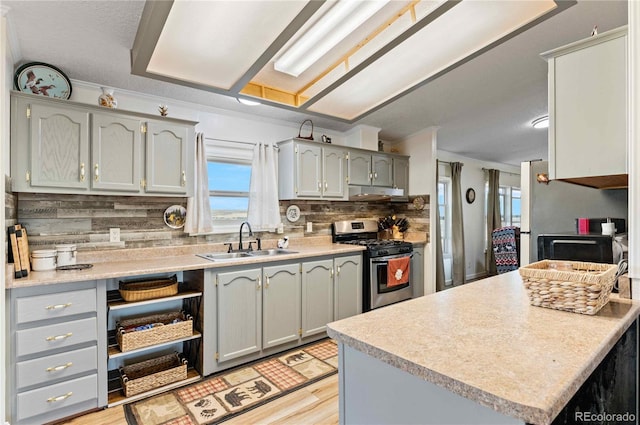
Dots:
pixel 198 219
pixel 264 209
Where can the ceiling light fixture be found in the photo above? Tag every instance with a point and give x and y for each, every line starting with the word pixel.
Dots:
pixel 247 101
pixel 542 122
pixel 341 20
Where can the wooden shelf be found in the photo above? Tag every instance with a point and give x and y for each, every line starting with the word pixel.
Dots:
pixel 116 396
pixel 115 301
pixel 113 351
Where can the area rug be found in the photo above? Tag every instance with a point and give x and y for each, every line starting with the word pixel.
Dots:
pixel 230 393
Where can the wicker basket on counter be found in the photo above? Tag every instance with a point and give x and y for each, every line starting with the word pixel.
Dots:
pixel 140 290
pixel 573 286
pixel 165 327
pixel 153 373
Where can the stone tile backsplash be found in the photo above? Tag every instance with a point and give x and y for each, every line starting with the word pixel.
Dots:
pixel 85 219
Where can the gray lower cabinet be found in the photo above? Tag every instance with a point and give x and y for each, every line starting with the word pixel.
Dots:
pixel 417 271
pixel 239 311
pixel 58 335
pixel 58 146
pixel 347 286
pixel 317 296
pixel 281 305
pixel 253 312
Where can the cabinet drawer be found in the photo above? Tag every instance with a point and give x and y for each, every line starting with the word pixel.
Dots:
pixel 46 369
pixel 57 396
pixel 62 304
pixel 30 341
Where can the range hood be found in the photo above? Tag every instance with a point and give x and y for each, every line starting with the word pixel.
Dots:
pixel 373 193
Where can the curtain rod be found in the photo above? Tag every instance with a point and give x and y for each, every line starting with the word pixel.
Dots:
pixel 449 162
pixel 238 141
pixel 505 172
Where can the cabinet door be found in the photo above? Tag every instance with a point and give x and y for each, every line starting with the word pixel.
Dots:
pixel 588 111
pixel 308 172
pixel 317 296
pixel 348 286
pixel 166 158
pixel 115 153
pixel 382 169
pixel 417 272
pixel 359 168
pixel 59 147
pixel 282 299
pixel 239 313
pixel 334 173
pixel 401 174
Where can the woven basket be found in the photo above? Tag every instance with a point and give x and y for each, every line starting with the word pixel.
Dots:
pixel 130 339
pixel 140 290
pixel 153 373
pixel 569 285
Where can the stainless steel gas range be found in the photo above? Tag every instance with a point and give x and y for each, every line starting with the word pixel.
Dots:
pixel 386 271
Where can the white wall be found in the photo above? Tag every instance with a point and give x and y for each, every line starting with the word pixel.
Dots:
pixel 633 47
pixel 421 147
pixel 473 176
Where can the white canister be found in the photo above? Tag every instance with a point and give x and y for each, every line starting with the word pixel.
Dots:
pixel 43 260
pixel 66 254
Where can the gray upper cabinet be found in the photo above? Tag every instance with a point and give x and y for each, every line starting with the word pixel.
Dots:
pixel 347 286
pixel 167 163
pixel 401 174
pixel 239 313
pixel 309 170
pixel 55 154
pixel 59 146
pixel 377 169
pixel 382 170
pixel 588 110
pixel 359 168
pixel 317 296
pixel 115 153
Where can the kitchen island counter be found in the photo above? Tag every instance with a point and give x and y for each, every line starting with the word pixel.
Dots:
pixel 479 347
pixel 135 262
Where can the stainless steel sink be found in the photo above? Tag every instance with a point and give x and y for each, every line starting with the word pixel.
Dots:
pixel 228 256
pixel 224 256
pixel 269 252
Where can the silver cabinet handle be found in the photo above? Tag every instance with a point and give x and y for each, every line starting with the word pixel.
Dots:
pixel 57 306
pixel 184 179
pixel 338 272
pixel 82 171
pixel 58 368
pixel 375 175
pixel 267 283
pixel 96 172
pixel 319 185
pixel 326 185
pixel 59 337
pixel 331 271
pixel 60 397
pixel 259 283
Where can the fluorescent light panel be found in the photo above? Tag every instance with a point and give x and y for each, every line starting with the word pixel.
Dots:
pixel 339 21
pixel 463 30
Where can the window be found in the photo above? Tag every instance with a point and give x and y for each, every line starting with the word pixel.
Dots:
pixel 509 206
pixel 229 191
pixel 444 209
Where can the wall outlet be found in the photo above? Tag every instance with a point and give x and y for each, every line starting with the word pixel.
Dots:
pixel 309 226
pixel 114 234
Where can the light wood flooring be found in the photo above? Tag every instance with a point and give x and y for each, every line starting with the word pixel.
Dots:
pixel 316 404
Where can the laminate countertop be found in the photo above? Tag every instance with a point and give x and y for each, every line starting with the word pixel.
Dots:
pixel 133 262
pixel 485 342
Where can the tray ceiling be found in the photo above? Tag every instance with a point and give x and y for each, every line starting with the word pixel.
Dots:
pixel 230 47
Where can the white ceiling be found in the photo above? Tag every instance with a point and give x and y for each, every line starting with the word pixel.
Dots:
pixel 483 107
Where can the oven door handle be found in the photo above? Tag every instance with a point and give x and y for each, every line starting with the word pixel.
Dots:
pixel 386 261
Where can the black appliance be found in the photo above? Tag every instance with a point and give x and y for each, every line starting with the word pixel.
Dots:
pixel 375 291
pixel 594 248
